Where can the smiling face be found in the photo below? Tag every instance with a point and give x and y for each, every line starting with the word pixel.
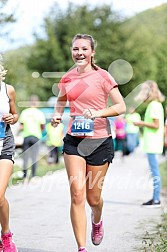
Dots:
pixel 82 53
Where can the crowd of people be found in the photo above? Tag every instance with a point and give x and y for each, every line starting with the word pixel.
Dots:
pixel 89 143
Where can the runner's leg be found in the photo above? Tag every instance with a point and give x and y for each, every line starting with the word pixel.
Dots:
pixel 76 170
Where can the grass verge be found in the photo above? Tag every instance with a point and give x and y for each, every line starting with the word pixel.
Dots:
pixel 163 170
pixel 157 241
pixel 43 169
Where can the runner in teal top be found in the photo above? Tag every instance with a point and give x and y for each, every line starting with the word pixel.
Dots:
pixel 8 116
pixel 153 135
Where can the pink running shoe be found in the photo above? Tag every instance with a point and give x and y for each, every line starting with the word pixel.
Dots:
pixel 97 232
pixel 82 250
pixel 1 247
pixel 8 244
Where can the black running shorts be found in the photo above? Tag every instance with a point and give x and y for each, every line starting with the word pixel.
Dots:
pixel 9 157
pixel 94 151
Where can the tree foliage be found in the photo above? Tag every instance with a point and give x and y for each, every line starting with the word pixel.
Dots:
pixel 4 17
pixel 53 52
pixel 145 47
pixel 21 77
pixel 140 40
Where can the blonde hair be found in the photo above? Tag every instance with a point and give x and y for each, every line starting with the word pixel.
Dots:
pixel 2 73
pixel 150 92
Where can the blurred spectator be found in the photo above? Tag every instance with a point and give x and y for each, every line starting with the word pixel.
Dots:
pixel 165 132
pixel 113 130
pixel 54 141
pixel 32 121
pixel 153 135
pixel 132 131
pixel 120 129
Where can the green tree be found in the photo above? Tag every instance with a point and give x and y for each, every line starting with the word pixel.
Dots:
pixel 161 74
pixel 25 81
pixel 144 47
pixel 51 53
pixel 4 17
pixel 137 50
pixel 140 40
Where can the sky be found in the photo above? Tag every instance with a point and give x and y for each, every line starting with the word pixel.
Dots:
pixel 30 14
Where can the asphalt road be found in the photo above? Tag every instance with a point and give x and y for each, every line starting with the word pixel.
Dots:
pixel 40 210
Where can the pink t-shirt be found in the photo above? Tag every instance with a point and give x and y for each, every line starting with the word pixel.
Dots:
pixel 120 126
pixel 88 90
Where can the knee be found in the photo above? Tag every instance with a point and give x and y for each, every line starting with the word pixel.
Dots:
pixel 77 197
pixel 93 201
pixel 2 201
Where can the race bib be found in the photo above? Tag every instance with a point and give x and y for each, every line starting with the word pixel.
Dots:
pixel 2 129
pixel 82 126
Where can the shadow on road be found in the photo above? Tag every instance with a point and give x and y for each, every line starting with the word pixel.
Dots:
pixel 121 203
